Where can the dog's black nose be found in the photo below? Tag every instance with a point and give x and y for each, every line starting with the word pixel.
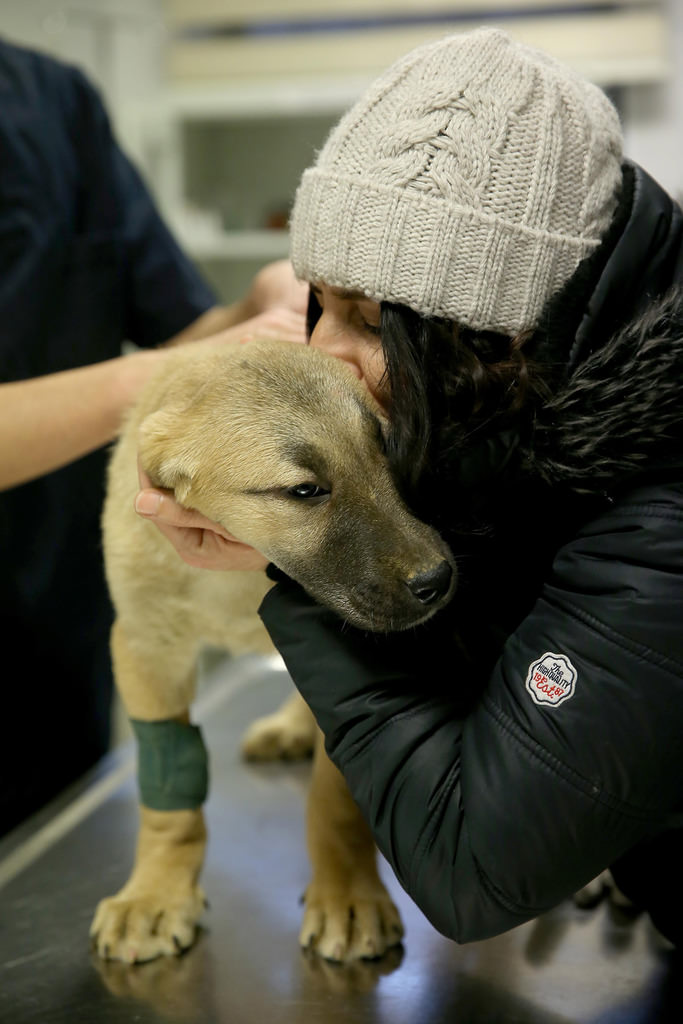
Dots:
pixel 429 586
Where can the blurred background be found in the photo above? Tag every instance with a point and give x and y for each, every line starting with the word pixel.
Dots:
pixel 222 103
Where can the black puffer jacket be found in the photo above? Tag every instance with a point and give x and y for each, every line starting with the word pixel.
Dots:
pixel 500 780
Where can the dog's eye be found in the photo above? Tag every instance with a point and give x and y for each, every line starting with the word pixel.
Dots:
pixel 307 492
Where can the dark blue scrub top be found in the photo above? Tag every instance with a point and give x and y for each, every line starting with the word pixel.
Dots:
pixel 85 263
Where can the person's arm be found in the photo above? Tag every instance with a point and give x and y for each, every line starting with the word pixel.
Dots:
pixel 492 817
pixel 49 421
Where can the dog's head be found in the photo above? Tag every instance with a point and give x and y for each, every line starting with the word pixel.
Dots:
pixel 284 447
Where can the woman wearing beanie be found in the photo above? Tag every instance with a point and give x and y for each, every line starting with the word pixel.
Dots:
pixel 481 254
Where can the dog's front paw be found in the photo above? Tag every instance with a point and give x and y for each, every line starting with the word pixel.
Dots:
pixel 358 921
pixel 280 736
pixel 143 927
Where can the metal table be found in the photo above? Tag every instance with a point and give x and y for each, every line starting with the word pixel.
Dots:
pixel 568 966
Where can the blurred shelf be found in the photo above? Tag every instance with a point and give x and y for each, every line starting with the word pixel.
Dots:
pixel 614 44
pixel 234 245
pixel 294 96
pixel 218 12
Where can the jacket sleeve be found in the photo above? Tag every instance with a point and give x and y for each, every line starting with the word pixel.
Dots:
pixel 570 755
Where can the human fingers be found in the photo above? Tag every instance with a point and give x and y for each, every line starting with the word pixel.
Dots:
pixel 199 541
pixel 276 285
pixel 281 323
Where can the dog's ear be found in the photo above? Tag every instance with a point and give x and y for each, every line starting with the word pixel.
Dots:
pixel 165 454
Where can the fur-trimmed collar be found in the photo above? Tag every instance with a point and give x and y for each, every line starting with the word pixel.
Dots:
pixel 620 412
pixel 612 357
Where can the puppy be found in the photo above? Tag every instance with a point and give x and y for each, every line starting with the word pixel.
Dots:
pixel 284 447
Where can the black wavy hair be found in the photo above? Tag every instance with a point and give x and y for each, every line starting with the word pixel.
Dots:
pixel 446 385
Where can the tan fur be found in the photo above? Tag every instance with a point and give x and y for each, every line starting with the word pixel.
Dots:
pixel 229 430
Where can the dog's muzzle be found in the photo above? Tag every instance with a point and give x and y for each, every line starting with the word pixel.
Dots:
pixel 430 586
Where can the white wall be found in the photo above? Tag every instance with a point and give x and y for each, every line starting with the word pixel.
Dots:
pixel 652 116
pixel 119 43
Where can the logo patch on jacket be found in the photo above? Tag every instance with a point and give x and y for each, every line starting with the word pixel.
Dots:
pixel 551 679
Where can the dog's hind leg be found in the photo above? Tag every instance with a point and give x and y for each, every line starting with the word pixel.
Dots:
pixel 287 734
pixel 157 910
pixel 349 914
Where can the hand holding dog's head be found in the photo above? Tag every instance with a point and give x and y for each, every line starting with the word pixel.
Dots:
pixel 283 447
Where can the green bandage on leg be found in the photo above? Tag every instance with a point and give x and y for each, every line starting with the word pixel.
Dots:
pixel 173 771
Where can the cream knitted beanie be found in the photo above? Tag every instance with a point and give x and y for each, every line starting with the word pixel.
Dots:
pixel 468 182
